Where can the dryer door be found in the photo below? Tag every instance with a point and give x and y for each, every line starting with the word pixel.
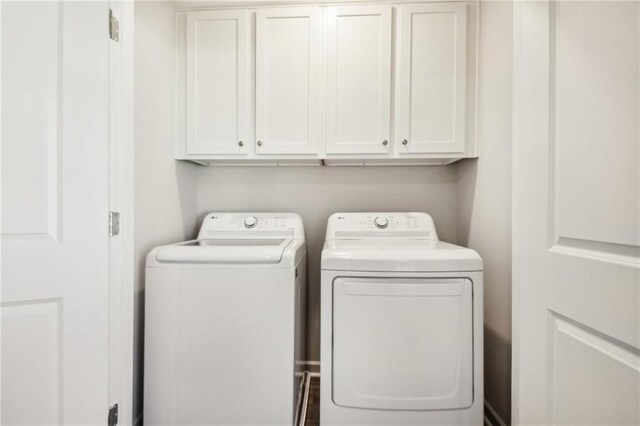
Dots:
pixel 403 343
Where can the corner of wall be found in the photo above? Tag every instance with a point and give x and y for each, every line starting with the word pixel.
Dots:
pixel 484 199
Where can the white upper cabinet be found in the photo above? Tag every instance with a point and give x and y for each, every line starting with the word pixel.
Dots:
pixel 217 82
pixel 358 80
pixel 287 80
pixel 432 99
pixel 334 84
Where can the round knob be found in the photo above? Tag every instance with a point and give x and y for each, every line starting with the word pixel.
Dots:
pixel 259 143
pixel 381 222
pixel 404 141
pixel 250 222
pixel 385 142
pixel 240 143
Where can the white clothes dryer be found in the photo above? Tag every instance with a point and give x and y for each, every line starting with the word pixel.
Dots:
pixel 225 323
pixel 401 324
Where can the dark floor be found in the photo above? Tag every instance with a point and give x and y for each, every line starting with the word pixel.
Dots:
pixel 313 410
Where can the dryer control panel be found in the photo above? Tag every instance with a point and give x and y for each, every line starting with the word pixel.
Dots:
pixel 251 225
pixel 380 225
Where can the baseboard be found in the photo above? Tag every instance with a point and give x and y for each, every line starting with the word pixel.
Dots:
pixel 310 366
pixel 491 417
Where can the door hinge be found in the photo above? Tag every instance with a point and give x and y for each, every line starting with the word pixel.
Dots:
pixel 112 420
pixel 114 27
pixel 114 223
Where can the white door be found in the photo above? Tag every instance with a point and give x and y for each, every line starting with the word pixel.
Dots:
pixel 287 82
pixel 54 233
pixel 433 97
pixel 358 80
pixel 217 82
pixel 576 230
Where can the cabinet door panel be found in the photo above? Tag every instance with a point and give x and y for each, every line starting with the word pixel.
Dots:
pixel 432 97
pixel 287 65
pixel 358 79
pixel 217 82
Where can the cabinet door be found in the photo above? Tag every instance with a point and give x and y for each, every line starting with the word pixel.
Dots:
pixel 287 67
pixel 432 89
pixel 358 79
pixel 217 82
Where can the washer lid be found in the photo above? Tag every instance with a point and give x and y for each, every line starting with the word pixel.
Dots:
pixel 227 251
pixel 401 255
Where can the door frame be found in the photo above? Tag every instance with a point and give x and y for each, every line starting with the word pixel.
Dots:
pixel 121 199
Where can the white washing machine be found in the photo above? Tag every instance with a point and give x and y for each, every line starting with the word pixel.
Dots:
pixel 401 324
pixel 224 323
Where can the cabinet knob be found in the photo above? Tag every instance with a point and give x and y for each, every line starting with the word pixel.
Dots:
pixel 259 143
pixel 404 141
pixel 240 143
pixel 385 142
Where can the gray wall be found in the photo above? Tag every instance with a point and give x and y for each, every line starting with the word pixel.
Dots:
pixel 484 200
pixel 165 190
pixel 317 192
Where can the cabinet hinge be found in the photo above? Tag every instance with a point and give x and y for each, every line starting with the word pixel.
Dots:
pixel 114 223
pixel 114 27
pixel 112 419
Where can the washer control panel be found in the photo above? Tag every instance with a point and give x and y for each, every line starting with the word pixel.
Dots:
pixel 218 225
pixel 375 225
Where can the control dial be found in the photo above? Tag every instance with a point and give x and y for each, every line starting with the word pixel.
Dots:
pixel 250 222
pixel 381 222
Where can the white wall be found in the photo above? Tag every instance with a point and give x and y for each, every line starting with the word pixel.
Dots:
pixel 165 190
pixel 484 199
pixel 317 192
